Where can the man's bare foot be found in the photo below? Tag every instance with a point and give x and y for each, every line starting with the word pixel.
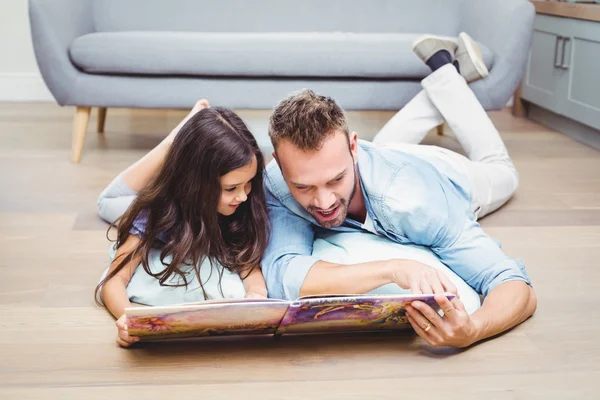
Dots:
pixel 200 105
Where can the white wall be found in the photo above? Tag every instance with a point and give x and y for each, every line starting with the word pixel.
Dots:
pixel 20 79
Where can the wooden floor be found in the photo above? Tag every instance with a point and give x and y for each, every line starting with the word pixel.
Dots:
pixel 55 343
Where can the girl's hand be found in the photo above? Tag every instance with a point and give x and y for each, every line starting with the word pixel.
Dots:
pixel 256 294
pixel 123 338
pixel 200 105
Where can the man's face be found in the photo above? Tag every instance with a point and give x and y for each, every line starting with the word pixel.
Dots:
pixel 322 181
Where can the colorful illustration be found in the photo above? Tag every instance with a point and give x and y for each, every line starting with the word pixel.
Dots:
pixel 350 313
pixel 239 318
pixel 268 317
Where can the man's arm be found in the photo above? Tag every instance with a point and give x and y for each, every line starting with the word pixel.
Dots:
pixel 506 306
pixel 328 278
pixel 442 221
pixel 288 256
pixel 291 271
pixel 509 298
pixel 509 301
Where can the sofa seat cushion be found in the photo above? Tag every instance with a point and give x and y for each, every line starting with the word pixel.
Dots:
pixel 330 55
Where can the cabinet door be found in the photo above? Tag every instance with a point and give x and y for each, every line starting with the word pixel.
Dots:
pixel 582 62
pixel 544 84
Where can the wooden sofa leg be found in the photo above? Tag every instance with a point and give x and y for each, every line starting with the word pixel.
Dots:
pixel 80 124
pixel 440 130
pixel 101 119
pixel 518 108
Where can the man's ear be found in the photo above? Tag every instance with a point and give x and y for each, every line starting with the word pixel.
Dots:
pixel 274 154
pixel 354 146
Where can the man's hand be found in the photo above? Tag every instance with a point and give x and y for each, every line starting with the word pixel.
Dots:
pixel 421 278
pixel 123 338
pixel 455 328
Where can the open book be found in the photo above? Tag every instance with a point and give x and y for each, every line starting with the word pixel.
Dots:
pixel 309 314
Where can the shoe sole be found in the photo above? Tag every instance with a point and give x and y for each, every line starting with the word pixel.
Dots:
pixel 475 57
pixel 425 56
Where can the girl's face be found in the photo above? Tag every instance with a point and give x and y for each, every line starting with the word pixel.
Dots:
pixel 235 187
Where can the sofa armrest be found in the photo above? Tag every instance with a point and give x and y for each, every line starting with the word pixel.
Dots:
pixel 54 26
pixel 506 27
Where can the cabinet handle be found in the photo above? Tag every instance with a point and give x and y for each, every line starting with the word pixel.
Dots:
pixel 558 39
pixel 562 58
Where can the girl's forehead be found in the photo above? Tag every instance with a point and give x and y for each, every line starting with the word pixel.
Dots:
pixel 241 175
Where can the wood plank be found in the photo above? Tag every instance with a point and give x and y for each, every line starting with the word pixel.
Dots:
pixel 544 218
pixel 56 343
pixel 588 12
pixel 571 385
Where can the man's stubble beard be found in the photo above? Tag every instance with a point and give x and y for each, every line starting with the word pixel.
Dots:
pixel 344 204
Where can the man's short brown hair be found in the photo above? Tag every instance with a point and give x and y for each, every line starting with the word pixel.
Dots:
pixel 306 119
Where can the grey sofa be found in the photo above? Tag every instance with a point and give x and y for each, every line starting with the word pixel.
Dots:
pixel 251 54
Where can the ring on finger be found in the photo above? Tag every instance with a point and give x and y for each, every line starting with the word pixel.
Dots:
pixel 427 327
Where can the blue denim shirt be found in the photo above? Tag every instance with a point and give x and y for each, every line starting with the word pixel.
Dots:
pixel 410 200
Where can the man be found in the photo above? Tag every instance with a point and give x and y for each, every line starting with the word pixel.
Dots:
pixel 323 177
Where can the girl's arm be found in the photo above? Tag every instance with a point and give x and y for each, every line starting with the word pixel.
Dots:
pixel 142 171
pixel 118 195
pixel 254 284
pixel 139 174
pixel 114 292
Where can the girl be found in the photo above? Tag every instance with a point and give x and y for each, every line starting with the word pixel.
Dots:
pixel 192 220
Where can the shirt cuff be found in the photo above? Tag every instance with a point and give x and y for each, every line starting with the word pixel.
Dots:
pixel 512 270
pixel 294 276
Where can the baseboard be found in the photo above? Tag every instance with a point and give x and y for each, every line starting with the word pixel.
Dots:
pixel 23 87
pixel 573 129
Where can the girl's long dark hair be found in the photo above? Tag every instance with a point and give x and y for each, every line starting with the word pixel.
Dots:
pixel 181 203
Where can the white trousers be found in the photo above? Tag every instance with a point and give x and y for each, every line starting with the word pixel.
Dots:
pixel 447 97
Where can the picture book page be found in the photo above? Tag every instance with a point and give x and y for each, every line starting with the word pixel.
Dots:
pixel 351 313
pixel 206 319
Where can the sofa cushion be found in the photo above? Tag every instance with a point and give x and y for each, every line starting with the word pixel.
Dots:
pixel 442 17
pixel 342 55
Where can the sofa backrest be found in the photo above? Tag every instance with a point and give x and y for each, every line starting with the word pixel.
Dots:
pixel 361 16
